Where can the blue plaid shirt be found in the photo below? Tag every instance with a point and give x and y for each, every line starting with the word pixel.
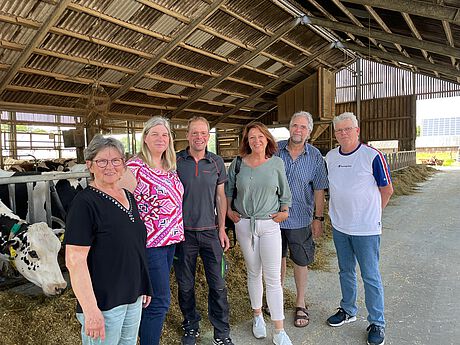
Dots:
pixel 305 175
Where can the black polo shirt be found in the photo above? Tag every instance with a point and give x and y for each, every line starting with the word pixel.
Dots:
pixel 200 182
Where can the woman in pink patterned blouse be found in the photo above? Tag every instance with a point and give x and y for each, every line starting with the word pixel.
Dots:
pixel 158 192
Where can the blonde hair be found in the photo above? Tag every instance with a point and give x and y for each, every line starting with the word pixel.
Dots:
pixel 168 157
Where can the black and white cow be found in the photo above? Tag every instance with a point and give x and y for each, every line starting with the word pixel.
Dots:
pixel 33 250
pixel 66 191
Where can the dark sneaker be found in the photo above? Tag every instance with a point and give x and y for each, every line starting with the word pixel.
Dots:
pixel 189 337
pixel 223 341
pixel 376 335
pixel 339 318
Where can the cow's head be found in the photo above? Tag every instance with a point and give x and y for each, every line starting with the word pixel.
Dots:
pixel 34 253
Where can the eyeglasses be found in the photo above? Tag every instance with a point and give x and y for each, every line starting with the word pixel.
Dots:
pixel 345 130
pixel 102 163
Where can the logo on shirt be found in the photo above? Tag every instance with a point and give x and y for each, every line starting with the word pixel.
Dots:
pixel 345 166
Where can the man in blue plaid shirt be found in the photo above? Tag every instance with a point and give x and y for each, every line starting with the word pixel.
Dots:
pixel 307 177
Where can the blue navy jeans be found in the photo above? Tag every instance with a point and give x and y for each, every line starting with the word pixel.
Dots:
pixel 159 261
pixel 121 325
pixel 207 245
pixel 366 251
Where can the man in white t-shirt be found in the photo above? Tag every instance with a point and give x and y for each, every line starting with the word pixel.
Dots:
pixel 360 188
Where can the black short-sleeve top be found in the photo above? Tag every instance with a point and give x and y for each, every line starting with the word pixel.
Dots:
pixel 116 260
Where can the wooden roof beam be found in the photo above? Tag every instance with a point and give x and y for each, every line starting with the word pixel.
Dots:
pixel 231 69
pixel 385 28
pixel 86 81
pixel 357 22
pixel 419 8
pixel 332 18
pixel 415 32
pixel 34 42
pixel 186 31
pixel 433 47
pixel 305 62
pixel 400 58
pixel 450 39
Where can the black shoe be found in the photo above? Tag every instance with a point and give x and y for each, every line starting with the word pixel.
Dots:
pixel 223 341
pixel 339 318
pixel 376 335
pixel 189 337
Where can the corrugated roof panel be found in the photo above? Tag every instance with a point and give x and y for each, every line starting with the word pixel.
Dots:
pixel 229 99
pixel 210 95
pixel 19 8
pixel 8 57
pixel 45 63
pixel 146 83
pixel 188 8
pixel 24 35
pixel 275 67
pixel 257 61
pixel 198 38
pixel 79 22
pixel 188 58
pixel 265 14
pixel 165 25
pixel 122 10
pixel 175 89
pixel 68 67
pixel 176 73
pixel 41 12
pixel 225 49
pixel 7 31
pixel 111 76
pixel 232 27
pixel 93 4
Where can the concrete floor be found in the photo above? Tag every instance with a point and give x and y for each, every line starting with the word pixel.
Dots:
pixel 420 266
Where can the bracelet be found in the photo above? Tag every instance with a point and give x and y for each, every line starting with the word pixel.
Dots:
pixel 320 218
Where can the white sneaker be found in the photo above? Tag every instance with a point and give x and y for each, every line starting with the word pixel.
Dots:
pixel 281 338
pixel 258 327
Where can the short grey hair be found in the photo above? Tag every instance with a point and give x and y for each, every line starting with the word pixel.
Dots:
pixel 99 143
pixel 306 115
pixel 345 116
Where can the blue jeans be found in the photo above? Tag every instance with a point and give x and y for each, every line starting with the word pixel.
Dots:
pixel 159 261
pixel 364 250
pixel 207 245
pixel 121 325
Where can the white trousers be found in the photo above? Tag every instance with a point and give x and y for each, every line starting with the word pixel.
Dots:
pixel 264 258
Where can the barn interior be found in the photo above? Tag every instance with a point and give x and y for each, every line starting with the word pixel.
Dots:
pixel 108 65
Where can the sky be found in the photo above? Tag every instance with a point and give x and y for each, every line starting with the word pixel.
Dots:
pixel 438 107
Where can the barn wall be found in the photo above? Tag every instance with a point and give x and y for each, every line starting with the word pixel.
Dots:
pixel 386 119
pixel 315 95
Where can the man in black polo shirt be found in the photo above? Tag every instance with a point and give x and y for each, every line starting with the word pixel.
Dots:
pixel 204 207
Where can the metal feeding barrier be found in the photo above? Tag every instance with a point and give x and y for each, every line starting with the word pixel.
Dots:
pixel 50 191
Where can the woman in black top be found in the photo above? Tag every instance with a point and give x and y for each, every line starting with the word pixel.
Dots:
pixel 105 251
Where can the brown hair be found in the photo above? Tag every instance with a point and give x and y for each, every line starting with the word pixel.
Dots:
pixel 196 119
pixel 271 148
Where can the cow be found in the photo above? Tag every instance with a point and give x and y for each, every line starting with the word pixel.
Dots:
pixel 32 249
pixel 65 190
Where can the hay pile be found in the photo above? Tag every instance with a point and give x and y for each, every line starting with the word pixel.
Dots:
pixel 50 321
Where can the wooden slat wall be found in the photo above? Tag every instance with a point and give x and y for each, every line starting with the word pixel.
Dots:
pixel 386 119
pixel 315 95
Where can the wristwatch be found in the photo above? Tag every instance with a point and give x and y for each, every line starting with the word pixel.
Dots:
pixel 320 218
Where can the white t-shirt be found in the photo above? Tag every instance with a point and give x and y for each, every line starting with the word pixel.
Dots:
pixel 355 205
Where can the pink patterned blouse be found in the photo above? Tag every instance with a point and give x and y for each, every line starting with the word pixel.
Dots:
pixel 159 199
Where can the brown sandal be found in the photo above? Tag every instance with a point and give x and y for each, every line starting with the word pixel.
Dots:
pixel 298 317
